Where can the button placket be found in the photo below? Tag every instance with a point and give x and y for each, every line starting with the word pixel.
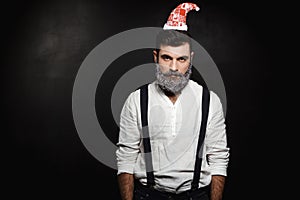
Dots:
pixel 173 120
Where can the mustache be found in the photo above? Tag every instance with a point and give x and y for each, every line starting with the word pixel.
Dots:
pixel 172 73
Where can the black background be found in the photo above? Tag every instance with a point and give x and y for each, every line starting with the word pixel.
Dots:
pixel 43 46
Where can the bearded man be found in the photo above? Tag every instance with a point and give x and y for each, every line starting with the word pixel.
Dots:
pixel 163 163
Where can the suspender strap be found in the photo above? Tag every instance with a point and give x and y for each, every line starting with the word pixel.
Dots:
pixel 146 138
pixel 205 109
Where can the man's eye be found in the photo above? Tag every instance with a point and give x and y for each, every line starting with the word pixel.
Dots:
pixel 181 59
pixel 166 57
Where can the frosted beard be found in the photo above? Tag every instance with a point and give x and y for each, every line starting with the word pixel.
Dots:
pixel 172 81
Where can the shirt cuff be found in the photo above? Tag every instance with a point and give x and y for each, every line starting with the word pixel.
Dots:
pixel 125 169
pixel 222 172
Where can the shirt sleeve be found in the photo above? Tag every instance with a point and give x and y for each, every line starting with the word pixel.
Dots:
pixel 129 135
pixel 217 151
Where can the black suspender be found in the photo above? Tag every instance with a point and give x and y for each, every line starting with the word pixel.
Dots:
pixel 199 153
pixel 146 138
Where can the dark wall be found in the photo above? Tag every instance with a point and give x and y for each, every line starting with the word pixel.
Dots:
pixel 43 46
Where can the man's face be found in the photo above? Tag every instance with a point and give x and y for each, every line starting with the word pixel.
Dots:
pixel 173 58
pixel 174 67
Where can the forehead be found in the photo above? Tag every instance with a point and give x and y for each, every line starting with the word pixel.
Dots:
pixel 182 50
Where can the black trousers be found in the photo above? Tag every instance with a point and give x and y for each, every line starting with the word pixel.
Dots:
pixel 146 193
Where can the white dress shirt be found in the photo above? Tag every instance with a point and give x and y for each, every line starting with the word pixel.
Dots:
pixel 174 131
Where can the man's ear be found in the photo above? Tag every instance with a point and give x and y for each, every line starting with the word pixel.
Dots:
pixel 155 54
pixel 192 56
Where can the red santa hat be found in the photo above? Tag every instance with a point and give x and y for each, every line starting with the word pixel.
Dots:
pixel 177 18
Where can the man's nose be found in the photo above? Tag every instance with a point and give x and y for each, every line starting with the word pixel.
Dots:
pixel 173 65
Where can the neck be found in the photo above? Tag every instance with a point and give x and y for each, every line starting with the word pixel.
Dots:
pixel 173 98
pixel 171 95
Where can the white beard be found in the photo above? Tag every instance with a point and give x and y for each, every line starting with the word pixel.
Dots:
pixel 172 84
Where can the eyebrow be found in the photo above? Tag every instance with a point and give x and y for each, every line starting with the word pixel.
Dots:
pixel 170 57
